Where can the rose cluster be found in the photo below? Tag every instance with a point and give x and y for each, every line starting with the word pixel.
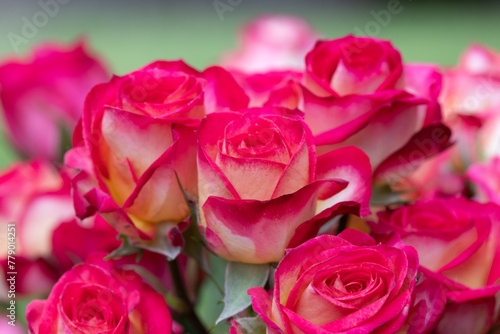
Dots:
pixel 346 190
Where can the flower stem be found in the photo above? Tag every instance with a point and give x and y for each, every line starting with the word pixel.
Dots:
pixel 188 319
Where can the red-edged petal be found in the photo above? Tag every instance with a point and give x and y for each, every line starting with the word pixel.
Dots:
pixel 350 164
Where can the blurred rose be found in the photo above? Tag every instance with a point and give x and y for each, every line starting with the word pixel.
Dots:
pixel 95 297
pixel 459 241
pixel 34 277
pixel 45 95
pixel 473 89
pixel 334 284
pixel 470 99
pixel 5 328
pixel 36 198
pixel 272 43
pixel 140 132
pixel 261 184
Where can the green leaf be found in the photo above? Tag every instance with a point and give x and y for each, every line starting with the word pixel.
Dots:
pixel 253 325
pixel 160 244
pixel 125 248
pixel 239 278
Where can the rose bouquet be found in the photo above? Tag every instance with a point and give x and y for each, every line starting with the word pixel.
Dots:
pixel 316 185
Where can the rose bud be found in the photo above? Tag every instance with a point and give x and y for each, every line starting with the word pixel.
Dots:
pixel 272 43
pixel 137 136
pixel 96 297
pixel 458 242
pixel 262 188
pixel 339 284
pixel 45 95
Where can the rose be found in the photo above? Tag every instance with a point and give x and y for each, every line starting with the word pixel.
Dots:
pixel 472 89
pixel 354 88
pixel 139 130
pixel 353 65
pixel 94 296
pixel 272 43
pixel 470 99
pixel 73 242
pixel 261 184
pixel 458 245
pixel 44 95
pixel 344 283
pixel 36 198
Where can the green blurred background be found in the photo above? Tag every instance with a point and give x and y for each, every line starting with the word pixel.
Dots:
pixel 129 34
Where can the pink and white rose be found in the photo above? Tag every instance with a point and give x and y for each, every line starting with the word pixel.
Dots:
pixel 45 94
pixel 138 135
pixel 458 242
pixel 96 297
pixel 272 43
pixel 339 284
pixel 262 188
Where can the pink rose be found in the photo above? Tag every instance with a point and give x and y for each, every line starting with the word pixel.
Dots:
pixel 262 188
pixel 353 65
pixel 139 132
pixel 74 241
pixel 36 198
pixel 272 43
pixel 94 296
pixel 356 88
pixel 473 89
pixel 334 284
pixel 458 242
pixel 45 94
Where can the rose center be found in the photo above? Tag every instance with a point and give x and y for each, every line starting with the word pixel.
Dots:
pixel 362 56
pixel 90 306
pixel 255 138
